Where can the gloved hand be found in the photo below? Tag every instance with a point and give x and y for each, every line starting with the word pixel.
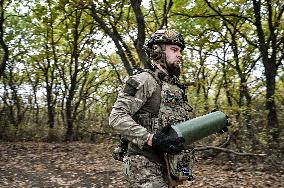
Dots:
pixel 167 144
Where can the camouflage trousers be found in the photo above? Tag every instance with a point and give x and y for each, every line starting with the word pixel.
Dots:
pixel 142 173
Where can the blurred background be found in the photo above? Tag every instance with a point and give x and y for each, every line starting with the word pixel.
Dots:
pixel 62 63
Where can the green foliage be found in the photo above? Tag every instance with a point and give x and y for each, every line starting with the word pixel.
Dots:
pixel 58 48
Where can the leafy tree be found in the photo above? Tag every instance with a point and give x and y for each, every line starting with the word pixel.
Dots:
pixel 253 26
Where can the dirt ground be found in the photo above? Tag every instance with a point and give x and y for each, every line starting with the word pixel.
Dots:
pixel 32 164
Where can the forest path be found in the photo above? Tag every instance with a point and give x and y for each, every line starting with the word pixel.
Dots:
pixel 75 164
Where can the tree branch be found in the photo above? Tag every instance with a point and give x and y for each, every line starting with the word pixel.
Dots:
pixel 114 36
pixel 166 12
pixel 140 40
pixel 203 148
pixel 154 11
pixel 213 15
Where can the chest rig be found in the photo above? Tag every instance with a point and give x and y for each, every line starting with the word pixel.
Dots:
pixel 167 105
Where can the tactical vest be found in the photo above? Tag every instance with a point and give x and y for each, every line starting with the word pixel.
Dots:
pixel 167 106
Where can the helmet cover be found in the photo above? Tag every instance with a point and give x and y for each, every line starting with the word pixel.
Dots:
pixel 165 36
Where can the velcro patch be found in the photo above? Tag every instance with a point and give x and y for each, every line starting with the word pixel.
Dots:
pixel 131 87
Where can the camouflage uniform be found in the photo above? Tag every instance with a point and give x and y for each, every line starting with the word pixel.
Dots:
pixel 148 102
pixel 153 100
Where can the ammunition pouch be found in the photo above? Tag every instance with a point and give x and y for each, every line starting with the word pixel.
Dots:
pixel 179 167
pixel 121 150
pixel 147 120
pixel 127 148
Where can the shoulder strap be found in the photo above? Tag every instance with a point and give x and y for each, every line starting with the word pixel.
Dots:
pixel 152 105
pixel 155 76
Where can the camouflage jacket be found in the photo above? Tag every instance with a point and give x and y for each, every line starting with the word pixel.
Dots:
pixel 146 104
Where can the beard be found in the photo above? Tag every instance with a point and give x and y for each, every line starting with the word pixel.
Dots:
pixel 173 69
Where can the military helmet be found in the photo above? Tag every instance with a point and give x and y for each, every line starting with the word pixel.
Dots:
pixel 165 36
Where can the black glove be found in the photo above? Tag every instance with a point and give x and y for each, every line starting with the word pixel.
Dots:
pixel 167 144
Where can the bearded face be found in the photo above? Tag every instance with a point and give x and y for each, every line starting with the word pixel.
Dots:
pixel 173 69
pixel 173 60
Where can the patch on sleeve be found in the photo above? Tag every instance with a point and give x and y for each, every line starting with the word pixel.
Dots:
pixel 131 87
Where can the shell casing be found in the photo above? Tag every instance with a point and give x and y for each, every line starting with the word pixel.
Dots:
pixel 200 127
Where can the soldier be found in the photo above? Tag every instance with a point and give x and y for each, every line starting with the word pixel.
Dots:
pixel 150 102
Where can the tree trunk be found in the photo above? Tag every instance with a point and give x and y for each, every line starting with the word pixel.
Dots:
pixel 270 64
pixel 273 123
pixel 69 121
pixel 117 39
pixel 74 61
pixel 139 42
pixel 3 62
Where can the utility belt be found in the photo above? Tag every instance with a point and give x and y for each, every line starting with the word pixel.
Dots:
pixel 125 147
pixel 151 122
pixel 179 167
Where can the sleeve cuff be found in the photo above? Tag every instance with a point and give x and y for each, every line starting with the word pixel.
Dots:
pixel 141 142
